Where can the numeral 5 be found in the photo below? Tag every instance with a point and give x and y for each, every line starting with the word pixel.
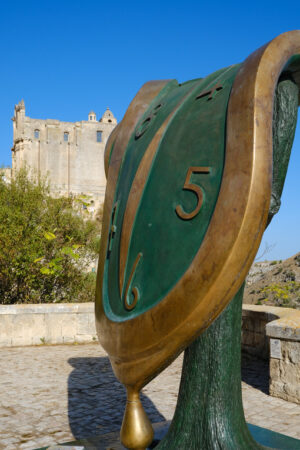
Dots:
pixel 194 188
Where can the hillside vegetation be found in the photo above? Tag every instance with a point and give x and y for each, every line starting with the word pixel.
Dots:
pixel 46 246
pixel 274 283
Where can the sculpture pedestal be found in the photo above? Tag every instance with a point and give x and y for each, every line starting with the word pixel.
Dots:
pixel 111 441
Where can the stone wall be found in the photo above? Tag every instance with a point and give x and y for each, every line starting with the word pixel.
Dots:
pixel 46 324
pixel 254 338
pixel 274 333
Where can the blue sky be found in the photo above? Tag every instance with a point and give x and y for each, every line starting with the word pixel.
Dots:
pixel 66 58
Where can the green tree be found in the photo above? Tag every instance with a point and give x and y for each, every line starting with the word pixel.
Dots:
pixel 46 246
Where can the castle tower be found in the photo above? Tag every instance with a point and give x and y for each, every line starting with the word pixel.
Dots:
pixel 21 142
pixel 92 116
pixel 108 117
pixel 70 154
pixel 18 120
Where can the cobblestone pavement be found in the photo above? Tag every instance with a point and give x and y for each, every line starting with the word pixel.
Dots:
pixel 52 394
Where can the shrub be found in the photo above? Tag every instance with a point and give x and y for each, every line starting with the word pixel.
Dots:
pixel 46 246
pixel 282 294
pixel 297 259
pixel 289 275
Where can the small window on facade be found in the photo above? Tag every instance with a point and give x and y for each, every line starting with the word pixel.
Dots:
pixel 66 137
pixel 99 136
pixel 109 120
pixel 36 134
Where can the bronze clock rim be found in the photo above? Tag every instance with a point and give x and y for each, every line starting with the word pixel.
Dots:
pixel 139 348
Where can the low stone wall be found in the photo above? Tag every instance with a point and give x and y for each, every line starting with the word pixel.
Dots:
pixel 46 324
pixel 254 338
pixel 272 332
pixel 267 332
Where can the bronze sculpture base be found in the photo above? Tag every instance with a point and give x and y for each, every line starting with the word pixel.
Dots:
pixel 111 441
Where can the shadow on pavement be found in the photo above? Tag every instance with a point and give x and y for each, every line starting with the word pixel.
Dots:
pixel 96 400
pixel 255 372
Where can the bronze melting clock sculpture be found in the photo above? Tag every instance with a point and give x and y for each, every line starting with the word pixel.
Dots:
pixel 190 176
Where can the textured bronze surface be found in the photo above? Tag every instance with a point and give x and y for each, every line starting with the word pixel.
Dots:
pixel 141 347
pixel 210 92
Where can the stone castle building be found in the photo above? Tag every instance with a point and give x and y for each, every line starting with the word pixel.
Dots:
pixel 70 154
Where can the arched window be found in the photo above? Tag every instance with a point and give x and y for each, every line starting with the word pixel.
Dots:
pixel 36 134
pixel 66 136
pixel 99 136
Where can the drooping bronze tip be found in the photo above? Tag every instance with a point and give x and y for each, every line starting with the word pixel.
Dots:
pixel 136 432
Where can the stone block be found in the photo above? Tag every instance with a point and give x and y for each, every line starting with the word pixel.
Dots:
pixel 247 338
pixel 68 324
pixel 56 340
pixel 283 329
pixel 26 327
pixel 277 389
pixel 5 341
pixel 274 370
pixel 285 372
pixel 68 339
pixel 275 348
pixel 92 324
pixel 6 330
pixel 53 325
pixel 83 324
pixel 248 324
pixel 294 352
pixel 38 340
pixel 259 340
pixel 290 390
pixel 19 341
pixel 262 327
pixel 291 375
pixel 84 338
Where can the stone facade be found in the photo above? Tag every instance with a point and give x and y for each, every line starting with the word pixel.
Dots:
pixel 70 154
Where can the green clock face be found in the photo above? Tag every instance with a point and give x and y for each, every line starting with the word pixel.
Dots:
pixel 167 189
